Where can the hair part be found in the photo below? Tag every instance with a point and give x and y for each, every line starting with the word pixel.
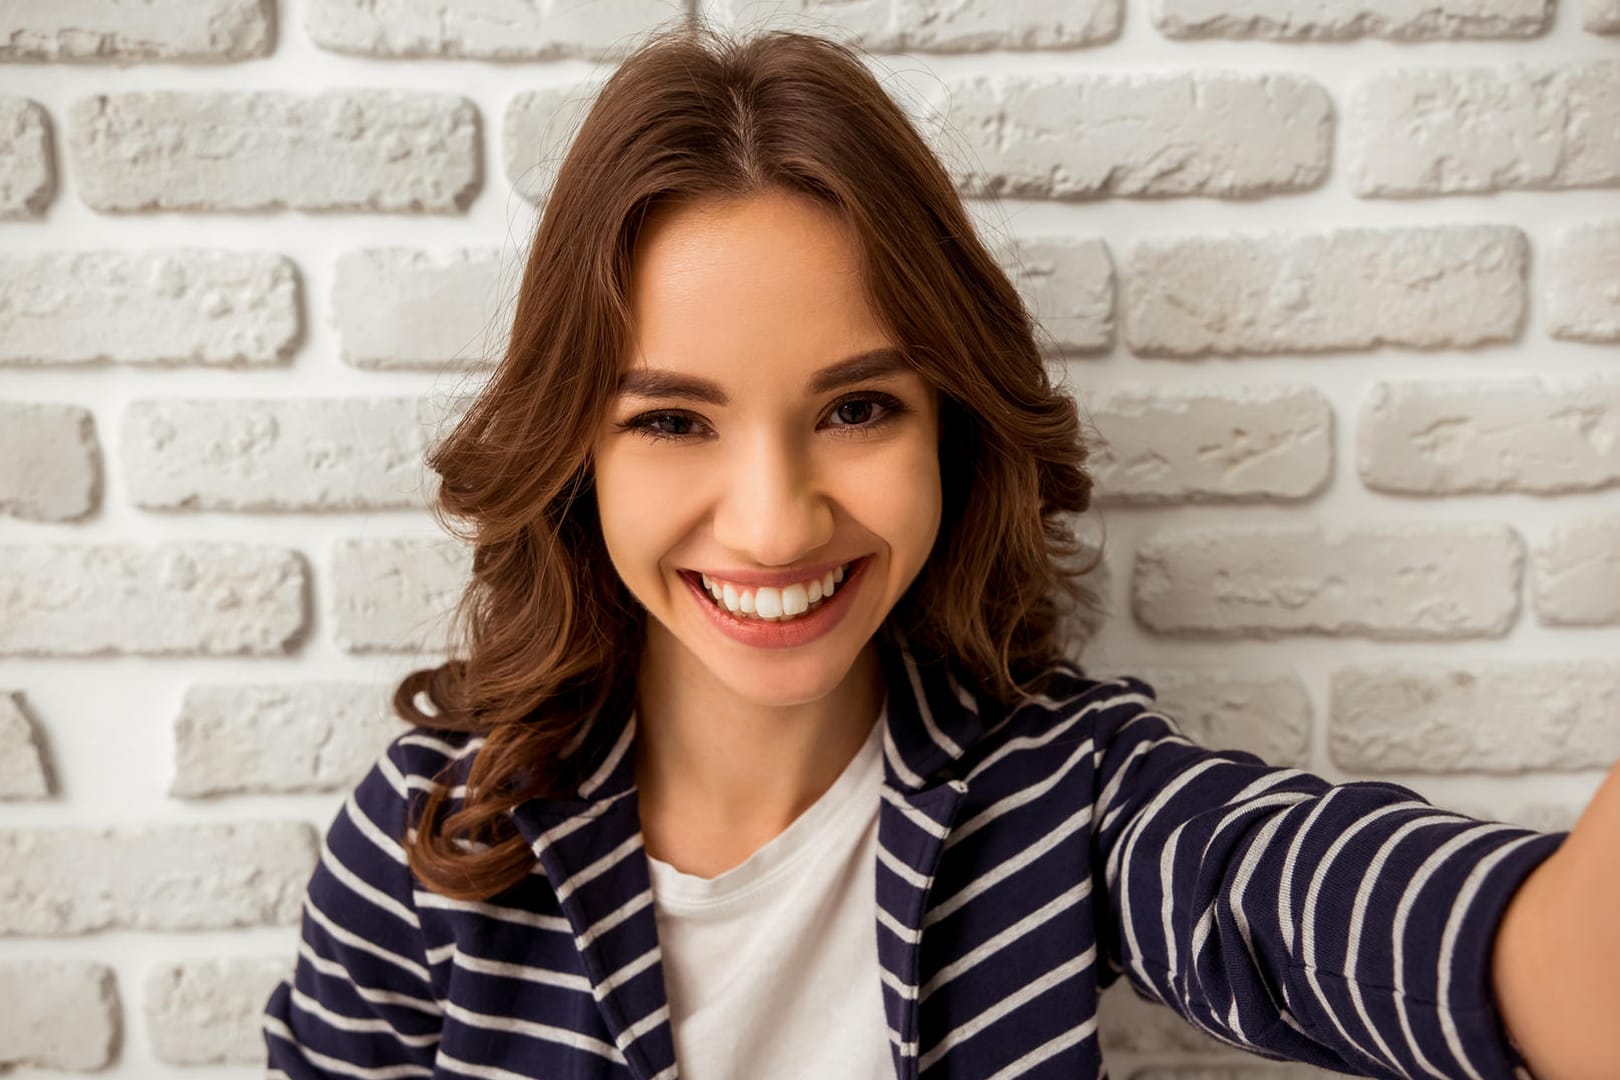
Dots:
pixel 550 635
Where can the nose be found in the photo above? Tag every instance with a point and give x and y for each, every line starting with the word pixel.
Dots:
pixel 772 508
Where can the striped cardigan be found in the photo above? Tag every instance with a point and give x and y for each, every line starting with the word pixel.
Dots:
pixel 1028 858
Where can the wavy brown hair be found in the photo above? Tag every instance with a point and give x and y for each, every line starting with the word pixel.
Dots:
pixel 549 633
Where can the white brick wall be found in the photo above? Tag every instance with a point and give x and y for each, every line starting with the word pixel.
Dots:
pixel 1337 283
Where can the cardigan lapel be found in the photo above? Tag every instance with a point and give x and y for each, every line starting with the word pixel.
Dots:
pixel 932 718
pixel 591 851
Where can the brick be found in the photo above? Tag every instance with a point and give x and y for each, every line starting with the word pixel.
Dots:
pixel 1356 288
pixel 398 308
pixel 1499 435
pixel 23 774
pixel 358 453
pixel 121 31
pixel 162 599
pixel 27 166
pixel 216 308
pixel 1067 137
pixel 945 25
pixel 1210 444
pixel 1601 16
pixel 318 736
pixel 1504 717
pixel 60 1014
pixel 207 1012
pixel 1265 715
pixel 1128 1023
pixel 67 880
pixel 1340 20
pixel 537 129
pixel 1581 283
pixel 1577 573
pixel 1446 131
pixel 431 28
pixel 1067 284
pixel 218 150
pixel 1395 582
pixel 52 461
pixel 396 594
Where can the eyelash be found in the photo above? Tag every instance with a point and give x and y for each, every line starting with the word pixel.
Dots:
pixel 642 425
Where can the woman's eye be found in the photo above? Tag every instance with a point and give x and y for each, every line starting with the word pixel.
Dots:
pixel 857 412
pixel 660 425
pixel 854 414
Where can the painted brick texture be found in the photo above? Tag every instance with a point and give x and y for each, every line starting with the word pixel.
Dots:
pixel 1601 16
pixel 1337 20
pixel 354 150
pixel 54 461
pixel 121 31
pixel 206 1012
pixel 59 1014
pixel 308 737
pixel 1334 284
pixel 23 772
pixel 1582 290
pixel 283 454
pixel 27 170
pixel 1392 581
pixel 210 308
pixel 69 880
pixel 1348 289
pixel 1447 132
pixel 1217 134
pixel 208 599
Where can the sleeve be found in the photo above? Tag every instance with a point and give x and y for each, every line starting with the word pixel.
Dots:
pixel 1345 926
pixel 359 1001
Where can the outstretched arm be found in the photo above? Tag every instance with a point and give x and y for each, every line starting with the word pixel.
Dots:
pixel 1555 963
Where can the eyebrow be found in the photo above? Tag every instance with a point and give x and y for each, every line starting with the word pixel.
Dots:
pixel 661 383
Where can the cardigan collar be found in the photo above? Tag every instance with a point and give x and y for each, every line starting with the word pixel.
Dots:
pixel 590 848
pixel 931 717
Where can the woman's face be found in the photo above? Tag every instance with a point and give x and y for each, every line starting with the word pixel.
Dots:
pixel 760 436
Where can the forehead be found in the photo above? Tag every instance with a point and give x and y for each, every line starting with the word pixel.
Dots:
pixel 770 281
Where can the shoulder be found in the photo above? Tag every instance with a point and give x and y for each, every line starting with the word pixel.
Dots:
pixel 1063 690
pixel 1064 706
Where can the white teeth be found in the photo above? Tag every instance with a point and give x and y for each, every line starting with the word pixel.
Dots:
pixel 772 604
pixel 767 602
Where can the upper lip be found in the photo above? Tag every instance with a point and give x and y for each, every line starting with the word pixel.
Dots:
pixel 776 578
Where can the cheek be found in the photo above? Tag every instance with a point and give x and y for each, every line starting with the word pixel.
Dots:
pixel 648 501
pixel 623 507
pixel 897 496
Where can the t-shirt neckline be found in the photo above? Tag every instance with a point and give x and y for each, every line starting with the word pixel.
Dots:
pixel 862 776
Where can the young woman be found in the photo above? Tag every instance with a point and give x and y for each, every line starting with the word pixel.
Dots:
pixel 764 757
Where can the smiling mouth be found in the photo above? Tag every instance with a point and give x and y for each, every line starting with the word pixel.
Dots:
pixel 773 604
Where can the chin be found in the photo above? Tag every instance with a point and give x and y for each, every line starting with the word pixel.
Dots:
pixel 783 680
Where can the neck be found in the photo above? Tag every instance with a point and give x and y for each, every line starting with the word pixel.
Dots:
pixel 719 775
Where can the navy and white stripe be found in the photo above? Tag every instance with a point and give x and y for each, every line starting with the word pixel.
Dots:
pixel 1028 858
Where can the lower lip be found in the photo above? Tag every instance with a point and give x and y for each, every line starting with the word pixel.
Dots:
pixel 780 635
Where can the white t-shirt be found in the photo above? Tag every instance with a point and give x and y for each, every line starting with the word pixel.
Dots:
pixel 772 967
